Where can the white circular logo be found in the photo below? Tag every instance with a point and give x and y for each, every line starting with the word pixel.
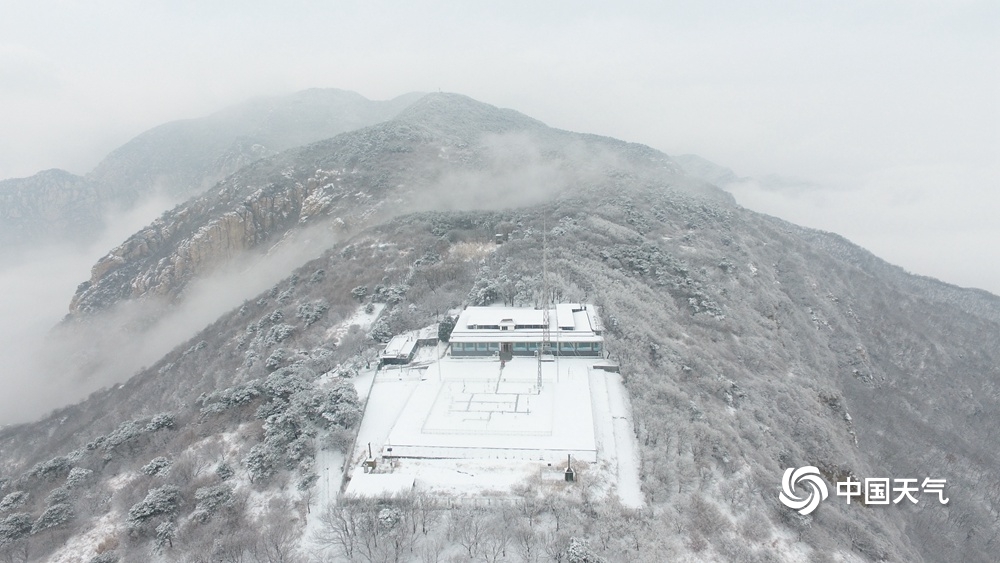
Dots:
pixel 810 477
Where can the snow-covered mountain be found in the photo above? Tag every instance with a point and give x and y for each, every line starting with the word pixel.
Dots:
pixel 748 345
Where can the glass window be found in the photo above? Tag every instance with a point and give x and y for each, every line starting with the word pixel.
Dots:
pixel 520 346
pixel 494 346
pixel 480 346
pixel 457 347
pixel 583 346
pixel 565 346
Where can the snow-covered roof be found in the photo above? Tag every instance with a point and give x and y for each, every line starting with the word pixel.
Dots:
pixel 400 346
pixel 480 316
pixel 565 316
pixel 379 485
pixel 567 321
pixel 428 332
pixel 517 336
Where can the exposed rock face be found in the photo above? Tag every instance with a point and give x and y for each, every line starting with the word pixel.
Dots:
pixel 435 154
pixel 179 258
pixel 178 160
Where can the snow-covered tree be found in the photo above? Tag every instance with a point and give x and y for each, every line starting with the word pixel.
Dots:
pixel 13 500
pixel 161 500
pixel 156 466
pixel 285 381
pixel 261 462
pixel 160 421
pixel 51 468
pixel 224 471
pixel 579 551
pixel 78 476
pixel 54 515
pixel 210 500
pixel 312 312
pixel 14 527
pixel 165 534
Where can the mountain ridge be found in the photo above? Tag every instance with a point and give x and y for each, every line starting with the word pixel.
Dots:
pixel 181 158
pixel 402 161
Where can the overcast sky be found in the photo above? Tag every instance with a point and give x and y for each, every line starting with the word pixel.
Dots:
pixel 888 109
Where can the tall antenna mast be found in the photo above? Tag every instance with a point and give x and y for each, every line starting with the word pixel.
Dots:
pixel 546 346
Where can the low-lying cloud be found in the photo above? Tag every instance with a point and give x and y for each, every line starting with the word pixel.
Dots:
pixel 46 366
pixel 932 220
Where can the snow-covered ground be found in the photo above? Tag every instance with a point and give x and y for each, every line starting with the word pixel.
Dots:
pixel 360 317
pixel 618 448
pixel 329 467
pixel 471 408
pixel 84 546
pixel 474 429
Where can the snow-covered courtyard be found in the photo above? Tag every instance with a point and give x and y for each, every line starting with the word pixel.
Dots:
pixel 469 426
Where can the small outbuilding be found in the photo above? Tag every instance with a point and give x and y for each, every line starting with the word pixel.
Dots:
pixel 399 350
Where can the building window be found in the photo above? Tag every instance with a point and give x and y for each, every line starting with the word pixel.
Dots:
pixel 457 347
pixel 597 347
pixel 520 347
pixel 480 346
pixel 494 346
pixel 566 347
pixel 583 346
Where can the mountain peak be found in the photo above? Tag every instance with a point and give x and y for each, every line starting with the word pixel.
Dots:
pixel 460 115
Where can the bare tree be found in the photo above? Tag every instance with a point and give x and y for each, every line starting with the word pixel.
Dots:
pixel 468 527
pixel 338 531
pixel 527 542
pixel 496 538
pixel 428 511
pixel 431 549
pixel 367 530
pixel 279 536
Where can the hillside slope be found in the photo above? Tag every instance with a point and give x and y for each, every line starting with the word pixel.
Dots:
pixel 972 301
pixel 746 347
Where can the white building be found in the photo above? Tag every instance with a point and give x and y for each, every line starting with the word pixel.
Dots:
pixel 574 330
